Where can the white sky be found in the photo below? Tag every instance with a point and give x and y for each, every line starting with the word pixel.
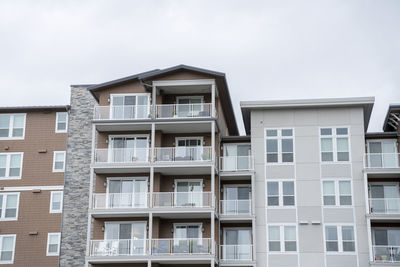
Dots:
pixel 268 49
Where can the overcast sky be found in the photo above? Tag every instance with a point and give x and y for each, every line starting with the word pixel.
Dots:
pixel 268 49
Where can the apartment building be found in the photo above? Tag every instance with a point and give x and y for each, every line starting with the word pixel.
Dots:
pixel 32 162
pixel 157 175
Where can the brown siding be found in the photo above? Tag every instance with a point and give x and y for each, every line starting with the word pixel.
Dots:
pixel 131 88
pixel 167 225
pixel 98 233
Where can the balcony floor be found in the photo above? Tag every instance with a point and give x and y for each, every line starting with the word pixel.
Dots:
pixel 164 259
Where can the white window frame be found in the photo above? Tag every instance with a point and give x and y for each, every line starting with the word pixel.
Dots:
pixel 11 125
pixel 279 138
pixel 280 194
pixel 1 244
pixel 340 239
pixel 334 138
pixel 8 161
pixel 3 208
pixel 48 244
pixel 51 201
pixel 190 224
pixel 200 138
pixel 54 161
pixel 66 123
pixel 337 192
pixel 282 238
pixel 134 94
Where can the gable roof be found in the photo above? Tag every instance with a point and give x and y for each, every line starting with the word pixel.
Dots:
pixel 219 77
pixel 391 118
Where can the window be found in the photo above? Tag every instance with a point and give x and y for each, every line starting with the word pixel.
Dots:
pixel 280 193
pixel 61 122
pixel 282 238
pixel 337 193
pixel 334 144
pixel 130 106
pixel 7 248
pixel 10 165
pixel 279 145
pixel 9 206
pixel 53 244
pixel 59 161
pixel 382 154
pixel 339 238
pixel 12 126
pixel 56 200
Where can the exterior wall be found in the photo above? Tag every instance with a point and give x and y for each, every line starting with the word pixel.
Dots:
pixel 77 179
pixel 308 172
pixel 34 220
pixel 130 88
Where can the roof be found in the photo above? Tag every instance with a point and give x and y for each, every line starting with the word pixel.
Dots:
pixel 220 79
pixel 387 124
pixel 365 102
pixel 236 138
pixel 22 108
pixel 381 135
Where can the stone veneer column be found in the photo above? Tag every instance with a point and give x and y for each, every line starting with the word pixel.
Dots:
pixel 77 178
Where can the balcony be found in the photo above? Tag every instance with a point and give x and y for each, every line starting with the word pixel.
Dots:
pixel 111 160
pixel 115 201
pixel 181 246
pixel 119 247
pixel 183 154
pixel 183 111
pixel 235 208
pixel 236 163
pixel 183 200
pixel 126 112
pixel 236 253
pixel 379 165
pixel 384 205
pixel 386 254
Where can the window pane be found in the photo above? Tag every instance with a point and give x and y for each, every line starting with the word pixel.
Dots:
pixel 341 131
pixel 326 131
pixel 62 117
pixel 274 246
pixel 19 121
pixel 273 201
pixel 329 200
pixel 326 145
pixel 59 165
pixel 272 132
pixel 288 201
pixel 343 156
pixel 329 188
pixel 8 243
pixel 349 246
pixel 345 200
pixel 290 245
pixel 273 233
pixel 273 188
pixel 287 132
pixel 4 121
pixel 342 144
pixel 12 201
pixel 272 145
pixel 15 165
pixel 290 233
pixel 347 233
pixel 344 188
pixel 331 233
pixel 287 157
pixel 59 156
pixel 3 162
pixel 332 246
pixel 287 145
pixel 272 157
pixel 327 156
pixel 288 188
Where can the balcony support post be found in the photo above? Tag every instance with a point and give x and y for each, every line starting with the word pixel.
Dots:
pixel 153 139
pixel 212 239
pixel 213 99
pixel 153 102
pixel 150 232
pixel 149 263
pixel 151 187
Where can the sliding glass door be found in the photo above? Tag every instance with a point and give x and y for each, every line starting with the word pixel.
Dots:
pixel 188 193
pixel 385 198
pixel 236 200
pixel 126 238
pixel 382 153
pixel 236 157
pixel 132 106
pixel 237 244
pixel 127 193
pixel 129 148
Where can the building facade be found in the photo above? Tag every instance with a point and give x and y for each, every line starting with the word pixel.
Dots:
pixel 153 172
pixel 32 162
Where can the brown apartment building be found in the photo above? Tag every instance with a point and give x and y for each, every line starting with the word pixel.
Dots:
pixel 32 163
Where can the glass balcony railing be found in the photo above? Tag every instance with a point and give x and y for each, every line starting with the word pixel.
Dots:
pixel 120 201
pixel 122 155
pixel 181 246
pixel 188 153
pixel 382 160
pixel 173 111
pixel 236 252
pixel 386 254
pixel 126 112
pixel 119 247
pixel 235 207
pixel 384 205
pixel 236 163
pixel 183 199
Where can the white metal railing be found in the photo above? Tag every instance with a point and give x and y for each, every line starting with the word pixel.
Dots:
pixel 235 207
pixel 170 111
pixel 183 153
pixel 118 247
pixel 386 253
pixel 120 201
pixel 181 246
pixel 236 252
pixel 236 163
pixel 122 155
pixel 126 112
pixel 183 199
pixel 384 205
pixel 382 160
